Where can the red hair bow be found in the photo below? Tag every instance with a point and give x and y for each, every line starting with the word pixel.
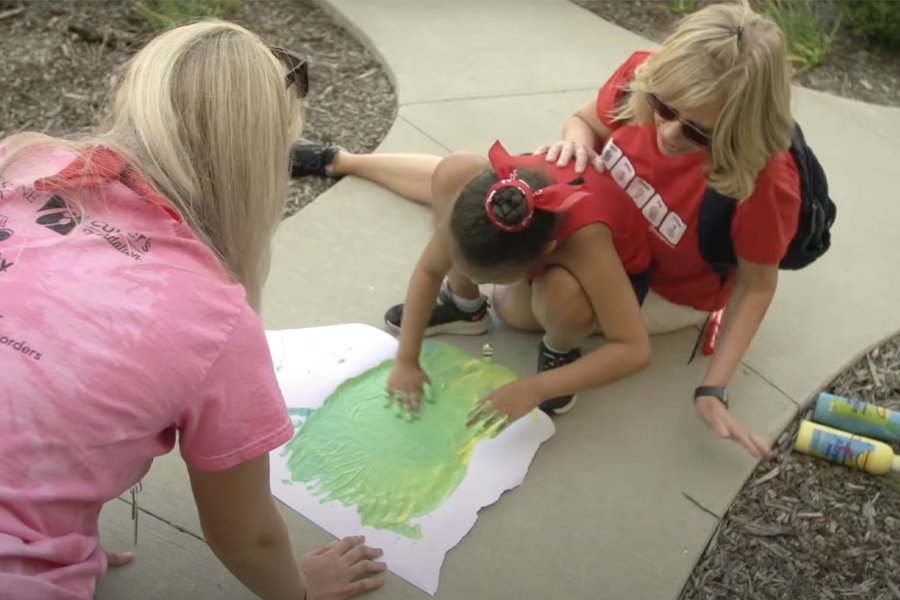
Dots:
pixel 553 198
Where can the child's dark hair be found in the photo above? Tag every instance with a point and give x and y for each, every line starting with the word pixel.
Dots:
pixel 483 243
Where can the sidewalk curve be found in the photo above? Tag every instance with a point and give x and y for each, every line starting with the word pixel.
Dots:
pixel 619 504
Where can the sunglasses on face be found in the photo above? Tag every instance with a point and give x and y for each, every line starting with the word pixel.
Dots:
pixel 298 69
pixel 691 132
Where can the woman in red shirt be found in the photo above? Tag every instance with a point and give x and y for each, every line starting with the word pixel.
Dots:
pixel 709 108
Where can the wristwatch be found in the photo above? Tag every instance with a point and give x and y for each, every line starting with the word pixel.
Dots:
pixel 715 391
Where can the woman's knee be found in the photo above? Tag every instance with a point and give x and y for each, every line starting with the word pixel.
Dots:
pixel 558 298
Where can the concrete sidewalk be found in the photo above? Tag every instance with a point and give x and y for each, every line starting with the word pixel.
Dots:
pixel 613 506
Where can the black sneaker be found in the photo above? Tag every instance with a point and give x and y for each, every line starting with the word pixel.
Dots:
pixel 549 359
pixel 308 158
pixel 447 317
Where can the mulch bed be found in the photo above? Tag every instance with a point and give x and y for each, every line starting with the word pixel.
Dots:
pixel 59 59
pixel 853 69
pixel 803 528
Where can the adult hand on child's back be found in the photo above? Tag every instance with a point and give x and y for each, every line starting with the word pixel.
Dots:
pixel 563 152
pixel 406 383
pixel 717 416
pixel 505 405
pixel 335 571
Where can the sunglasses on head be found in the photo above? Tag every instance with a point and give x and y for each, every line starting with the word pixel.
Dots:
pixel 691 132
pixel 298 69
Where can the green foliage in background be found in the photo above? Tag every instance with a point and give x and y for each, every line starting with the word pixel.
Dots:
pixel 163 14
pixel 682 7
pixel 878 20
pixel 808 44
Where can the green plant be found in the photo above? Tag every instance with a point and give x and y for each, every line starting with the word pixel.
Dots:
pixel 878 20
pixel 163 14
pixel 682 7
pixel 808 44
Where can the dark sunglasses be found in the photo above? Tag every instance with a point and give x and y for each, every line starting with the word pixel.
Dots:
pixel 691 132
pixel 298 69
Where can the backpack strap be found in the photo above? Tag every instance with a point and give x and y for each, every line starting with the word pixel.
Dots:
pixel 817 210
pixel 817 214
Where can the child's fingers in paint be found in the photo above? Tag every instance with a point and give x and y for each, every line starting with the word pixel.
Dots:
pixel 484 414
pixel 412 401
pixel 428 392
pixel 477 413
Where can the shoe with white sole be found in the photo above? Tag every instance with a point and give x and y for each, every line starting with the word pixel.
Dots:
pixel 447 317
pixel 550 359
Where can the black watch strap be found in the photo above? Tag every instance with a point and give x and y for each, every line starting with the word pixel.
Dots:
pixel 715 391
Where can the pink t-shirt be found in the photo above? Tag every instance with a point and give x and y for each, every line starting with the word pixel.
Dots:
pixel 119 331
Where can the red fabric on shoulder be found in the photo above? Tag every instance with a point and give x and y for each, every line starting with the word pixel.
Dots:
pixel 765 223
pixel 97 166
pixel 601 201
pixel 614 89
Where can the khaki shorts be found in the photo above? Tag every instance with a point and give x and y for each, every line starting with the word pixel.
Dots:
pixel 662 316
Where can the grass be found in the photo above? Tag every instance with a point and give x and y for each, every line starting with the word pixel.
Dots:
pixel 682 7
pixel 163 14
pixel 808 44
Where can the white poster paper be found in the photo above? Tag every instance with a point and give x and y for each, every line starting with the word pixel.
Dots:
pixel 310 365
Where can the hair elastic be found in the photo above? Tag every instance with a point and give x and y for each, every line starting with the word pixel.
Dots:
pixel 553 198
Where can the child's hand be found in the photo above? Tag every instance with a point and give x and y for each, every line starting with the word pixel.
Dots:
pixel 406 383
pixel 506 405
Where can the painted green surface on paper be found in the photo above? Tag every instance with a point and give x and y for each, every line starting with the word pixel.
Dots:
pixel 359 453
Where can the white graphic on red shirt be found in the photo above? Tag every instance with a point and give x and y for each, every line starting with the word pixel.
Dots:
pixel 611 153
pixel 656 210
pixel 640 191
pixel 673 228
pixel 623 172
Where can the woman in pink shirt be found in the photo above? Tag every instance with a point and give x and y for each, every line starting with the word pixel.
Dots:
pixel 131 264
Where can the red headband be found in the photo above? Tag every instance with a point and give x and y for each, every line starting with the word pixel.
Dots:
pixel 553 198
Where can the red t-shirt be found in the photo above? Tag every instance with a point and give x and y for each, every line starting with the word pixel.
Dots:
pixel 606 203
pixel 669 192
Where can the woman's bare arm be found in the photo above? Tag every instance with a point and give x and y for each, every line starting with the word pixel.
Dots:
pixel 753 292
pixel 585 127
pixel 245 530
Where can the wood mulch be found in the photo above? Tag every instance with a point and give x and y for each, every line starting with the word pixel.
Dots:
pixel 853 69
pixel 805 529
pixel 59 58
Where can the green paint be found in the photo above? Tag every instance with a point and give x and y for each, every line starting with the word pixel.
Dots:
pixel 354 451
pixel 303 413
pixel 519 354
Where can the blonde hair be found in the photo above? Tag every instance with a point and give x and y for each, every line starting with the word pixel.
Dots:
pixel 728 54
pixel 204 114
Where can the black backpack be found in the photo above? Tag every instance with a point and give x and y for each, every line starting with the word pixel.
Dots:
pixel 817 215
